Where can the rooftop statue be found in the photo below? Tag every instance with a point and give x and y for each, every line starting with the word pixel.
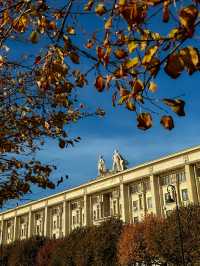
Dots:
pixel 119 163
pixel 101 166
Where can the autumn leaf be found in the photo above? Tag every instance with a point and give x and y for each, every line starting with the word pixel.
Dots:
pixel 144 121
pixel 108 24
pixel 176 105
pixel 100 9
pixel 71 30
pixel 150 52
pixel 152 87
pixel 89 44
pixel 174 66
pixel 89 5
pixel 190 58
pixel 167 122
pixel 120 53
pixel 34 36
pixel 132 63
pixel 61 143
pixel 188 16
pixel 132 46
pixel 100 83
pixel 130 106
pixel 74 57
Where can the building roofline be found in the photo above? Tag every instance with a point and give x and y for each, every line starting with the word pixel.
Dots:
pixel 93 181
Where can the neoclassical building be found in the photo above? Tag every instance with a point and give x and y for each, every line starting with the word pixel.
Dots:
pixel 125 193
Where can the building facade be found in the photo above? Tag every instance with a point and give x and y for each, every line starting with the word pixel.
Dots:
pixel 127 194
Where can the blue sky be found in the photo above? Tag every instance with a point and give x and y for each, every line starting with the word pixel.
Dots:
pixel 117 130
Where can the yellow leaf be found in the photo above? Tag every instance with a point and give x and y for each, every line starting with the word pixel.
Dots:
pixel 89 5
pixel 132 46
pixel 108 24
pixel 130 106
pixel 122 2
pixel 132 63
pixel 152 87
pixel 151 51
pixel 188 16
pixel 100 9
pixel 71 30
pixel 34 36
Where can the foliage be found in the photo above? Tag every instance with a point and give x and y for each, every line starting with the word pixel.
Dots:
pixel 45 252
pixel 165 237
pixel 40 83
pixel 89 246
pixel 134 246
pixel 24 252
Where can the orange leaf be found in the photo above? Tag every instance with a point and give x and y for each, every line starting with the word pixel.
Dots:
pixel 144 121
pixel 100 83
pixel 167 122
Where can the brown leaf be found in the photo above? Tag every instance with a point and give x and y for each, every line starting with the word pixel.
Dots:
pixel 34 36
pixel 120 53
pixel 176 105
pixel 74 57
pixel 89 5
pixel 174 66
pixel 61 143
pixel 188 16
pixel 144 121
pixel 100 83
pixel 167 122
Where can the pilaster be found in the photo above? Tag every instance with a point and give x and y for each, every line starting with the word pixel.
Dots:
pixel 15 233
pixel 46 220
pixel 30 222
pixel 124 201
pixel 155 194
pixel 190 178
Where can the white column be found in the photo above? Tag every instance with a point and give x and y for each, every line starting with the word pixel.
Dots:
pixel 155 194
pixel 124 202
pixel 30 222
pixel 69 216
pixel 15 228
pixel 87 211
pixel 190 179
pixel 2 231
pixel 46 220
pixel 64 226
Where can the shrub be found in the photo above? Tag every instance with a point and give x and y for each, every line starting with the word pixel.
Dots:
pixel 23 253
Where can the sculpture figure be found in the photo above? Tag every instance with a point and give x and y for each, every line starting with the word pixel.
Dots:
pixel 119 164
pixel 101 166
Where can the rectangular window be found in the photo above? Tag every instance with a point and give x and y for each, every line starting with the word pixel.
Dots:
pixel 184 194
pixel 98 212
pixel 94 215
pixel 114 207
pixel 135 205
pixel 54 224
pixel 166 180
pixel 197 170
pixel 73 220
pixel 181 176
pixel 147 185
pixel 135 220
pixel 149 203
pixel 140 202
pixel 77 217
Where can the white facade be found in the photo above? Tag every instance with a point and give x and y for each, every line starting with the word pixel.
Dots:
pixel 128 195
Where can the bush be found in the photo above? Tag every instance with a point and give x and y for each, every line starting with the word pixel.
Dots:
pixel 23 253
pixel 44 253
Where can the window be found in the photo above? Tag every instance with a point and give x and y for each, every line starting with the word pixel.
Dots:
pixel 37 229
pixel 134 188
pixel 149 203
pixel 54 224
pixel 166 180
pixel 77 217
pixel 94 215
pixel 181 176
pixel 198 170
pixel 135 205
pixel 83 218
pixel 147 185
pixel 98 212
pixel 167 198
pixel 135 220
pixel 184 195
pixel 73 220
pixel 114 207
pixel 140 202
